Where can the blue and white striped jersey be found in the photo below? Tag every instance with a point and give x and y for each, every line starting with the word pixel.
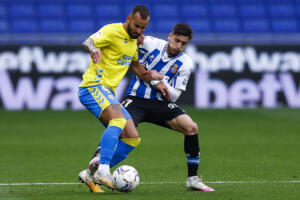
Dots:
pixel 153 55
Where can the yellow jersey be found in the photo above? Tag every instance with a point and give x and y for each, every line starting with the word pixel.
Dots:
pixel 118 50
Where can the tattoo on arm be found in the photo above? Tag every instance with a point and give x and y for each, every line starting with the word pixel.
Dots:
pixel 89 46
pixel 115 106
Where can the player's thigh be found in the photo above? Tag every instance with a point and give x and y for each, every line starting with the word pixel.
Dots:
pixel 101 102
pixel 163 112
pixel 184 124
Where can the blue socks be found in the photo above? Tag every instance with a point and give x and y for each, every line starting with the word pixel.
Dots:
pixel 121 153
pixel 109 141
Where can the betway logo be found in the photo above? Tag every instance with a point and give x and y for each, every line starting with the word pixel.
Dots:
pixel 48 92
pixel 241 58
pixel 51 62
pixel 246 93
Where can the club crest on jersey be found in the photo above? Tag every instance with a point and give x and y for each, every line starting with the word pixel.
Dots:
pixel 125 40
pixel 174 69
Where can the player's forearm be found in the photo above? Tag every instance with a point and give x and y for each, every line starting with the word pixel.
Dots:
pixel 89 46
pixel 138 69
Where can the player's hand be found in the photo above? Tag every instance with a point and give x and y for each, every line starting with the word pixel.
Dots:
pixel 140 40
pixel 163 90
pixel 146 76
pixel 155 75
pixel 96 56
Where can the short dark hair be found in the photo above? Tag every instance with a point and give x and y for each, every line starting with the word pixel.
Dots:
pixel 143 10
pixel 183 29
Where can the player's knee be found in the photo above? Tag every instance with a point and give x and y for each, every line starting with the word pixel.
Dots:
pixel 118 122
pixel 132 141
pixel 192 129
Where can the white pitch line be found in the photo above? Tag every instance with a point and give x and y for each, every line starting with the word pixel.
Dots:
pixel 154 183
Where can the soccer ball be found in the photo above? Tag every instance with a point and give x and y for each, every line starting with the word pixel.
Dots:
pixel 126 178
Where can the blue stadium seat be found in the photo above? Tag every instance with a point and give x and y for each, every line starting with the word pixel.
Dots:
pixel 200 26
pixel 252 10
pixel 3 26
pixel 111 11
pixel 3 11
pixel 150 28
pixel 194 10
pixel 165 26
pixel 249 1
pixel 270 2
pixel 22 10
pixel 281 10
pixel 94 2
pixel 51 10
pixel 256 26
pixel 82 26
pixel 216 2
pixel 52 25
pixel 24 25
pixel 79 10
pixel 16 2
pixel 224 10
pixel 226 26
pixel 190 1
pixel 297 9
pixel 103 22
pixel 165 11
pixel 127 9
pixel 60 2
pixel 285 26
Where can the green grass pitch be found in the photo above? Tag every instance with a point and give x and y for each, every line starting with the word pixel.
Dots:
pixel 250 152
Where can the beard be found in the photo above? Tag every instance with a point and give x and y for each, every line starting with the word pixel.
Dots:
pixel 170 53
pixel 133 35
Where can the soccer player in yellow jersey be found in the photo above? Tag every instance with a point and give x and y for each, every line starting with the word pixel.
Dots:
pixel 113 50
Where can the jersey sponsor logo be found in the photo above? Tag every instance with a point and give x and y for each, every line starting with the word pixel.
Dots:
pixel 125 60
pixel 174 69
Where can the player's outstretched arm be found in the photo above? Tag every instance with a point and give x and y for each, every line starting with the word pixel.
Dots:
pixel 90 47
pixel 138 69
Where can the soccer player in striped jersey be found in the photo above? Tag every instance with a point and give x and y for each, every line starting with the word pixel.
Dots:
pixel 113 50
pixel 169 68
